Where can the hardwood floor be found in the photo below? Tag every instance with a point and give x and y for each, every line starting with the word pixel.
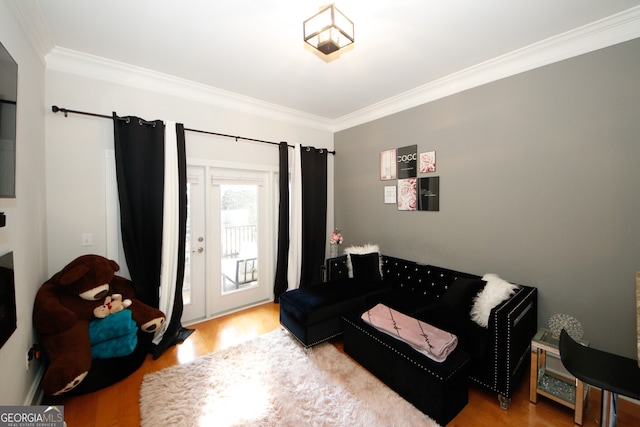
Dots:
pixel 118 405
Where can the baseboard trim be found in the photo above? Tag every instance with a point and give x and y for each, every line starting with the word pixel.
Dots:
pixel 35 395
pixel 224 313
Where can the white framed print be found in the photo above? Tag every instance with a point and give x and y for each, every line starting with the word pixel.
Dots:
pixel 390 194
pixel 388 165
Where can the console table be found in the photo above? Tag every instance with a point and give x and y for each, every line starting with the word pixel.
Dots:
pixel 566 390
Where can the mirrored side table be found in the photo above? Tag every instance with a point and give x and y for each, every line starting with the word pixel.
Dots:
pixel 553 384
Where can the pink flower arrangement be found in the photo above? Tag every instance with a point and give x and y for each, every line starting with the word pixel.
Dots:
pixel 336 238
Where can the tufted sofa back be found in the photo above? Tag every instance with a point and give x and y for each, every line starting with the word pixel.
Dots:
pixel 336 268
pixel 426 281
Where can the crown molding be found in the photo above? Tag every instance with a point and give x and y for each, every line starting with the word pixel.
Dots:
pixel 30 18
pixel 82 64
pixel 606 32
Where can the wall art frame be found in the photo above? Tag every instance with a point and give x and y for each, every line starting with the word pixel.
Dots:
pixel 390 194
pixel 388 165
pixel 428 162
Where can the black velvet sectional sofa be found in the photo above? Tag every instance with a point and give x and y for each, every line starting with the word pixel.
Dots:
pixel 498 354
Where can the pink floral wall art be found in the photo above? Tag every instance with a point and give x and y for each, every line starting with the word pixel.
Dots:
pixel 407 194
pixel 428 162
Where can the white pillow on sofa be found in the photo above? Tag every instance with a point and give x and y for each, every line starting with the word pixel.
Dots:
pixel 495 291
pixel 361 250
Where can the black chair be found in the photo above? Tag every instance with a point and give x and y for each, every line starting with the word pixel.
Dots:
pixel 612 373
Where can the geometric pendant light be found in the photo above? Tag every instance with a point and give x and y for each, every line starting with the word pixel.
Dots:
pixel 328 30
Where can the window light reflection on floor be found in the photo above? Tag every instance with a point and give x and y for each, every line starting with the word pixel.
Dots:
pixel 231 335
pixel 244 402
pixel 186 352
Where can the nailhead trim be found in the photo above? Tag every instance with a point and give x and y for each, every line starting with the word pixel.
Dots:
pixel 404 356
pixel 408 276
pixel 510 316
pixel 314 343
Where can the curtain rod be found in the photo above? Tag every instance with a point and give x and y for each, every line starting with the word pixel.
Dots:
pixel 66 111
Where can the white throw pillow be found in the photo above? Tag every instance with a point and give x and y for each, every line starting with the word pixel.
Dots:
pixel 495 291
pixel 361 250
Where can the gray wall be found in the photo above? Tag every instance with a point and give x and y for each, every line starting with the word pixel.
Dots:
pixel 539 183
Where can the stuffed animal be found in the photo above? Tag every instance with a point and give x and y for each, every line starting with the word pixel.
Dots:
pixel 112 304
pixel 65 305
pixel 113 336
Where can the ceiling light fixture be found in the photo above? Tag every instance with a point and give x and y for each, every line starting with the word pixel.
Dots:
pixel 329 30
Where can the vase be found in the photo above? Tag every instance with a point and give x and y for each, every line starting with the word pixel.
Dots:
pixel 333 251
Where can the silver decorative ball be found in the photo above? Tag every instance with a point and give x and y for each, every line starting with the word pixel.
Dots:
pixel 561 321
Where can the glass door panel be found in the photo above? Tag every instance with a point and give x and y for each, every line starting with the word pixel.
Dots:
pixel 193 287
pixel 240 221
pixel 239 236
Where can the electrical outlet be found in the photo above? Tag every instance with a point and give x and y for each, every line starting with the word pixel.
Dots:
pixel 87 239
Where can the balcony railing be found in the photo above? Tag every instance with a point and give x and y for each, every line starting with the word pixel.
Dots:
pixel 235 237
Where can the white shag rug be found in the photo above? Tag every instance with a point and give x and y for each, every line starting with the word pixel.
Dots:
pixel 272 381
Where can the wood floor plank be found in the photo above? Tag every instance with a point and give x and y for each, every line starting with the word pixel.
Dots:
pixel 118 405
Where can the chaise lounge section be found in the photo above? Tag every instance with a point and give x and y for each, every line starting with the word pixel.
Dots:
pixel 314 314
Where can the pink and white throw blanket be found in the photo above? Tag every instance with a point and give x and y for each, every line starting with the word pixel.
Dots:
pixel 425 338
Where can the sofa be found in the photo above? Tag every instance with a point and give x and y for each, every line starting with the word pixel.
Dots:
pixel 499 353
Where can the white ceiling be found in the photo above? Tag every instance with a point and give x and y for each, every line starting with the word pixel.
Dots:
pixel 254 48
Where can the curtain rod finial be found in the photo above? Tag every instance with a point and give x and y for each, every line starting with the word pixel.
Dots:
pixel 57 109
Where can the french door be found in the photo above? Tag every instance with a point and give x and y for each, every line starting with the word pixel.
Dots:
pixel 194 285
pixel 230 261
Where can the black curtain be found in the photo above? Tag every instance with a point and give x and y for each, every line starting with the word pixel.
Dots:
pixel 139 151
pixel 314 213
pixel 282 264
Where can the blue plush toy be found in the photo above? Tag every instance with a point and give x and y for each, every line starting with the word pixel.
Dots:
pixel 113 336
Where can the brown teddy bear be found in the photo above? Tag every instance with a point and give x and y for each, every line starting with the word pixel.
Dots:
pixel 112 304
pixel 65 305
